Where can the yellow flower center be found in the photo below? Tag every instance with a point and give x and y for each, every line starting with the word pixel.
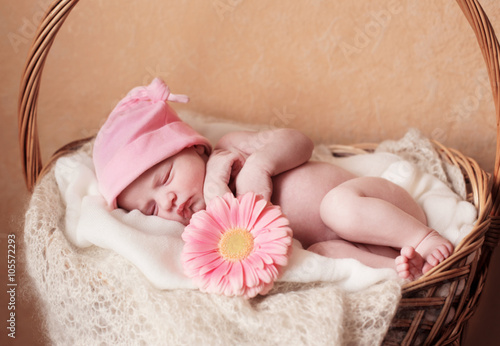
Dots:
pixel 236 244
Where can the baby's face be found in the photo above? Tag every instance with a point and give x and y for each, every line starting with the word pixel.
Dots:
pixel 172 189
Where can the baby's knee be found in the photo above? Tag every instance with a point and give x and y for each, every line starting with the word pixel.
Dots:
pixel 339 209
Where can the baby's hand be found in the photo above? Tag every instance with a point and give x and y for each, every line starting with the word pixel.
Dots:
pixel 253 178
pixel 222 167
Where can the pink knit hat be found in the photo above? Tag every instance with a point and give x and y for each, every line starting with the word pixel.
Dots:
pixel 140 132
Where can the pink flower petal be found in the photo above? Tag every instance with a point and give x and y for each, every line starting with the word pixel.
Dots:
pixel 253 291
pixel 265 257
pixel 203 238
pixel 284 242
pixel 265 288
pixel 250 276
pixel 207 222
pixel 220 213
pixel 196 247
pixel 270 235
pixel 276 246
pixel 227 289
pixel 224 219
pixel 228 197
pixel 207 234
pixel 220 272
pixel 204 260
pixel 236 276
pixel 260 205
pixel 281 260
pixel 204 222
pixel 215 205
pixel 204 283
pixel 265 275
pixel 234 213
pixel 247 203
pixel 273 270
pixel 255 261
pixel 266 219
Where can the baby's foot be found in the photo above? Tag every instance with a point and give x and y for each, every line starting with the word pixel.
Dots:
pixel 409 264
pixel 434 249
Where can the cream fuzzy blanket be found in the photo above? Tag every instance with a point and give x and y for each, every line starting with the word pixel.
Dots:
pixel 115 276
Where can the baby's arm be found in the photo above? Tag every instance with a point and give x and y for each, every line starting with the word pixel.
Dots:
pixel 266 153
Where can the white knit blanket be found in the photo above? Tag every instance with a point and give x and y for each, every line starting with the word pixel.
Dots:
pixel 350 293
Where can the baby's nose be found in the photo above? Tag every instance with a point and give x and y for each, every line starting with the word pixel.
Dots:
pixel 167 200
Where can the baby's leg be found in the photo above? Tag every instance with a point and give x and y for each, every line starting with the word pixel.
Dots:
pixel 375 211
pixel 343 249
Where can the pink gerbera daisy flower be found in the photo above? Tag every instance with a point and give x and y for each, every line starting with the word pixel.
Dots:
pixel 236 246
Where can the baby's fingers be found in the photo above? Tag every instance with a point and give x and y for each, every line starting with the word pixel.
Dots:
pixel 213 189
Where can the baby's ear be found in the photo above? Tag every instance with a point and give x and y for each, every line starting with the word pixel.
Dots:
pixel 200 149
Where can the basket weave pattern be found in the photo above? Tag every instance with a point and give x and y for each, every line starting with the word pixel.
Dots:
pixel 425 315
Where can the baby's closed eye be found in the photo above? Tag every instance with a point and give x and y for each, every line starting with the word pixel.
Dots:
pixel 151 210
pixel 165 177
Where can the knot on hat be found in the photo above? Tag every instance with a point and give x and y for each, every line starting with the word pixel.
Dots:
pixel 159 91
pixel 155 92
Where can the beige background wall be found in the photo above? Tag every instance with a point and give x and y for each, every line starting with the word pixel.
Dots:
pixel 341 71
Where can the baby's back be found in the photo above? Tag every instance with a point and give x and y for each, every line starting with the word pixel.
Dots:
pixel 300 191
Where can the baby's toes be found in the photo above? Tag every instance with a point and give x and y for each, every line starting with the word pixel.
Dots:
pixel 402 267
pixel 432 259
pixel 403 270
pixel 445 250
pixel 405 275
pixel 439 254
pixel 408 252
pixel 427 266
pixel 401 260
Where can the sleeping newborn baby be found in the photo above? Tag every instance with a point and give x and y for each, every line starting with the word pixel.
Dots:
pixel 147 159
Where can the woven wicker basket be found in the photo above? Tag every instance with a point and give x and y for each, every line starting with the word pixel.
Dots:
pixel 464 273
